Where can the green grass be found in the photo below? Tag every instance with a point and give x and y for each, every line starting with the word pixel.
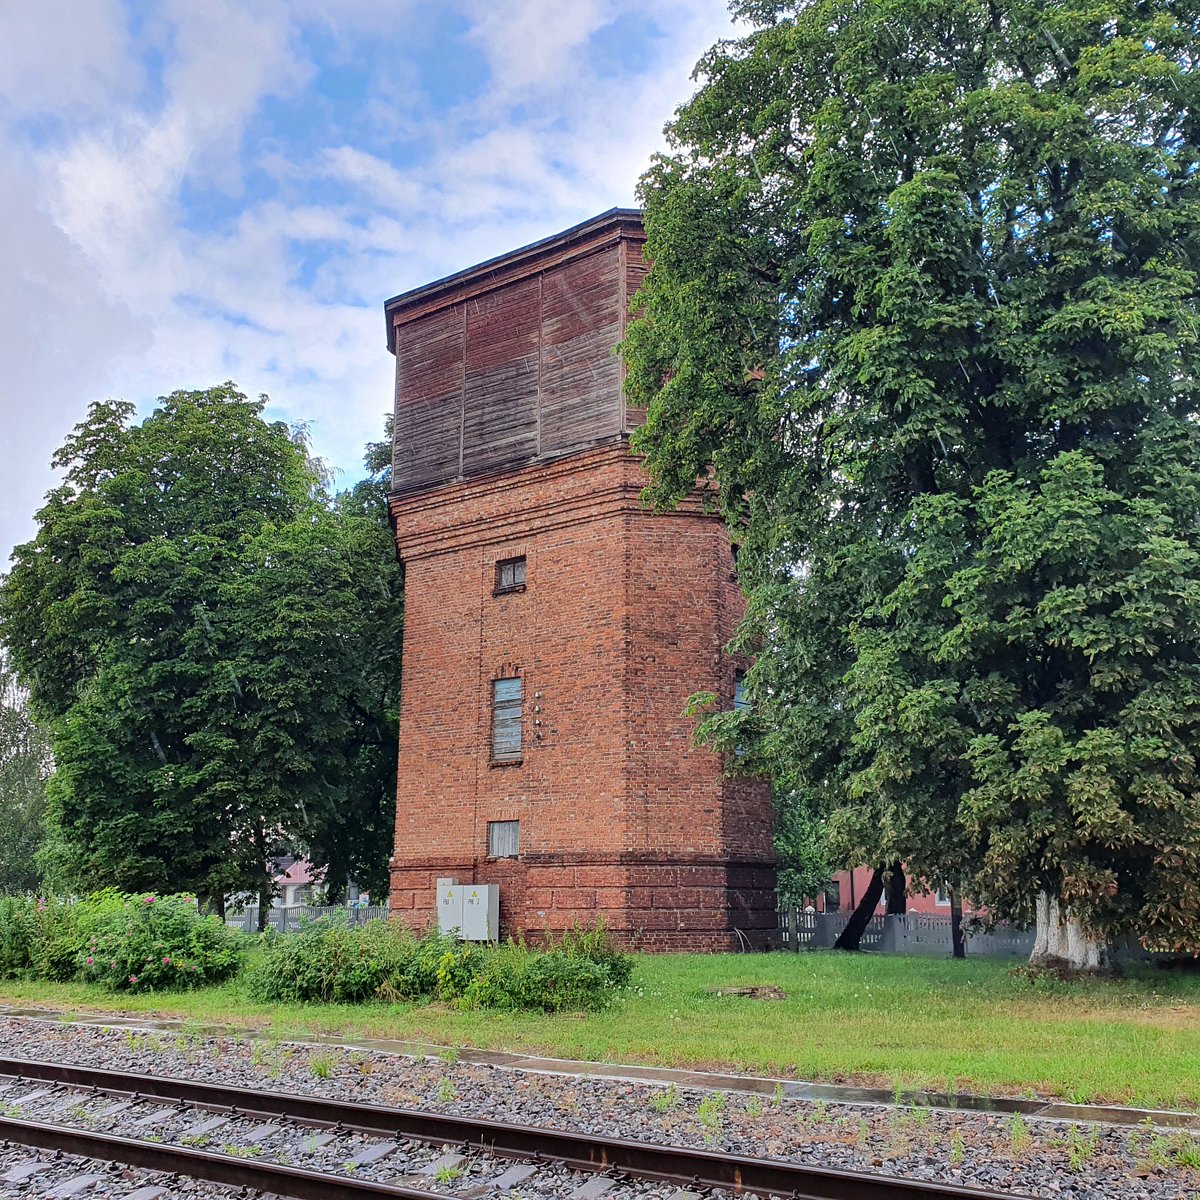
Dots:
pixel 900 1023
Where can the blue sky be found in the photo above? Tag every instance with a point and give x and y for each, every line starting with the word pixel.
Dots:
pixel 198 190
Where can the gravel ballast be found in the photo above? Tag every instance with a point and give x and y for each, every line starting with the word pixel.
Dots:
pixel 1022 1155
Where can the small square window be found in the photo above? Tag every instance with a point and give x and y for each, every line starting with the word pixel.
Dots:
pixel 506 720
pixel 510 575
pixel 504 839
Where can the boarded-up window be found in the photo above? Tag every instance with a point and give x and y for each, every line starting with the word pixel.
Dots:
pixel 504 839
pixel 510 575
pixel 506 720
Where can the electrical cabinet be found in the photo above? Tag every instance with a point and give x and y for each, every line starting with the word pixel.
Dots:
pixel 480 912
pixel 449 906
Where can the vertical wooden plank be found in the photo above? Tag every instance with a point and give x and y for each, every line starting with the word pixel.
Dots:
pixel 462 393
pixel 581 385
pixel 428 400
pixel 501 378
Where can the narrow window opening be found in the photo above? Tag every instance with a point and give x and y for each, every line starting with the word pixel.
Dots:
pixel 506 720
pixel 741 700
pixel 510 575
pixel 504 839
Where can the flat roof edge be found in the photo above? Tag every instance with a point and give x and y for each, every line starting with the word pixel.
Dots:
pixel 513 263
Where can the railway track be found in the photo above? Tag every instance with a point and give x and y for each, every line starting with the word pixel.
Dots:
pixel 266 1139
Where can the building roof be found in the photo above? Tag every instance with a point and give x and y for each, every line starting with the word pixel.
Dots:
pixel 579 239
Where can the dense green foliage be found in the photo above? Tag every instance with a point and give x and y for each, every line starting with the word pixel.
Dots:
pixel 154 943
pixel 384 961
pixel 212 642
pixel 25 765
pixel 923 315
pixel 127 943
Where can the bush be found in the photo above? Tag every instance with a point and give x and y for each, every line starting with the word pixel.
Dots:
pixel 43 938
pixel 146 943
pixel 16 929
pixel 384 961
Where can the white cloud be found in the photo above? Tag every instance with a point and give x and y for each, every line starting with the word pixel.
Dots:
pixel 64 57
pixel 111 288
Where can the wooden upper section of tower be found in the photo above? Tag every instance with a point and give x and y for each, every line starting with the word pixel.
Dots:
pixel 511 362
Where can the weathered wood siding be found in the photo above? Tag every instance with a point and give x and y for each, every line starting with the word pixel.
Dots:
pixel 501 420
pixel 509 375
pixel 581 380
pixel 429 391
pixel 636 267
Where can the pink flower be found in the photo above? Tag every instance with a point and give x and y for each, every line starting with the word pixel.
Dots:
pixel 133 979
pixel 89 960
pixel 166 960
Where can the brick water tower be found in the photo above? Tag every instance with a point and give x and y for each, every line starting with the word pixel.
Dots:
pixel 553 627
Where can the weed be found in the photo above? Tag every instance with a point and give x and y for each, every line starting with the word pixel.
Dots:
pixel 958 1148
pixel 195 1139
pixel 446 1091
pixel 449 1054
pixel 322 1064
pixel 1187 1152
pixel 1081 1147
pixel 754 1108
pixel 447 1174
pixel 1018 1134
pixel 240 1151
pixel 864 1132
pixel 709 1112
pixel 665 1100
pixel 1160 1151
pixel 777 1096
pixel 952 1090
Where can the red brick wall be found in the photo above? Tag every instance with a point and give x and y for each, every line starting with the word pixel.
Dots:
pixel 623 617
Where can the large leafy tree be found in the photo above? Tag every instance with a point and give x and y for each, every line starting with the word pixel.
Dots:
pixel 923 313
pixel 25 766
pixel 197 624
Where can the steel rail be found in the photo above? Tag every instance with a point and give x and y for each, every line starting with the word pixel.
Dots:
pixel 204 1164
pixel 691 1168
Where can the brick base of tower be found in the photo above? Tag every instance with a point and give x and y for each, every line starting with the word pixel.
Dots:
pixel 649 905
pixel 624 616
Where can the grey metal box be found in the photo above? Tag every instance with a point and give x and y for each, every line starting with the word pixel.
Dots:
pixel 480 912
pixel 449 906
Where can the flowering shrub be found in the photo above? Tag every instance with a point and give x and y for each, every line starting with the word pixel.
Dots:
pixel 41 937
pixel 148 943
pixel 384 961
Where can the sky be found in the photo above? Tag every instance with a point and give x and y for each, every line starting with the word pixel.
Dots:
pixel 200 190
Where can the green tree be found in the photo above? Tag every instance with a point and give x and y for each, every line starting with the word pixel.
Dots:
pixel 25 766
pixel 192 620
pixel 923 317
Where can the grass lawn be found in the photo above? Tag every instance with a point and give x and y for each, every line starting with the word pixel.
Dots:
pixel 887 1020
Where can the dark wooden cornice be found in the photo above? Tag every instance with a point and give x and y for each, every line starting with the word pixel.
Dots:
pixel 608 228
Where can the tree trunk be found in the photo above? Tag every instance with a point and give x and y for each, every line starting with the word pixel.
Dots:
pixel 850 937
pixel 956 933
pixel 897 891
pixel 1061 941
